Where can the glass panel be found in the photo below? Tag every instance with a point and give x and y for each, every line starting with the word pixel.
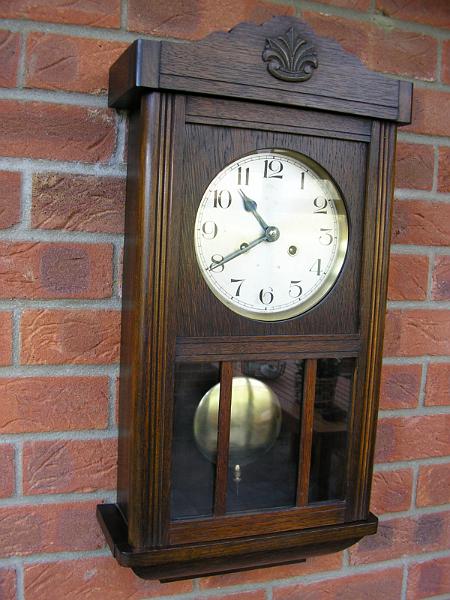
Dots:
pixel 264 435
pixel 192 473
pixel 330 434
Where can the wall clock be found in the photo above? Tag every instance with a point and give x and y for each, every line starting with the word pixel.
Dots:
pixel 257 231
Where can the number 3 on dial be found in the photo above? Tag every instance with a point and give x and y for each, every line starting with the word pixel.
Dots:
pixel 271 235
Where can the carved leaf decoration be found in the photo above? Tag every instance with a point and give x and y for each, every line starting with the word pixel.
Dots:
pixel 289 57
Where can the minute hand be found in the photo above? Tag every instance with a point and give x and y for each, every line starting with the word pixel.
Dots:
pixel 238 252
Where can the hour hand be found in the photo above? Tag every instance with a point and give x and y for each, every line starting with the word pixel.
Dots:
pixel 251 206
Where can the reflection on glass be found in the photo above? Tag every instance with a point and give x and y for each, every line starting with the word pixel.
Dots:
pixel 264 431
pixel 330 433
pixel 264 435
pixel 192 473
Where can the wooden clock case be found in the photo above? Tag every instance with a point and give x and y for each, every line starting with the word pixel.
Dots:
pixel 195 107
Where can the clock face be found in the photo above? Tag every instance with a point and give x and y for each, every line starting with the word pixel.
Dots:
pixel 271 235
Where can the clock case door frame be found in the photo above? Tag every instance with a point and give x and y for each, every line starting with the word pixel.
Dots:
pixel 138 527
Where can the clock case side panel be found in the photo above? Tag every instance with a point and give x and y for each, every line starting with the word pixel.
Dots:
pixel 374 277
pixel 146 344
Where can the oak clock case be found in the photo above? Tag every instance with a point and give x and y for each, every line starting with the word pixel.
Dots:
pixel 257 234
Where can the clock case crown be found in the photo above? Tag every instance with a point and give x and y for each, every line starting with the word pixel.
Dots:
pixel 193 108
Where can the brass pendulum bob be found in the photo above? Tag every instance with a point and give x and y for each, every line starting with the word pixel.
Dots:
pixel 254 425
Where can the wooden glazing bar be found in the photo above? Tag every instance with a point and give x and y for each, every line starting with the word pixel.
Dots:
pixel 223 438
pixel 306 433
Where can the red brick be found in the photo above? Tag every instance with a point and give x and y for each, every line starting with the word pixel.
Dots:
pixel 7 584
pixel 56 131
pixel 53 403
pixel 251 595
pixel 316 564
pixel 384 584
pixel 352 35
pixel 400 386
pixel 429 578
pixel 430 110
pixel 5 338
pixel 414 166
pixel 421 222
pixel 437 390
pixel 417 332
pixel 391 491
pixel 57 62
pixel 408 277
pixel 403 536
pixel 26 530
pixel 7 472
pixel 10 183
pixel 78 202
pixel 409 438
pixel 432 12
pixel 54 270
pixel 445 76
pixel 440 289
pixel 382 49
pixel 402 52
pixel 117 395
pixel 354 4
pixel 9 57
pixel 65 466
pixel 70 336
pixel 444 169
pixel 100 13
pixel 120 274
pixel 181 19
pixel 94 579
pixel 433 485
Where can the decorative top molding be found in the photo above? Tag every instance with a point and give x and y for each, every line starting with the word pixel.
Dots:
pixel 290 57
pixel 230 65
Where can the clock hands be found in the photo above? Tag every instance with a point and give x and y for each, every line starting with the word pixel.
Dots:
pixel 251 206
pixel 271 234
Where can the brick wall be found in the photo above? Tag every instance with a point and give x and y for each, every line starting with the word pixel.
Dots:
pixel 61 215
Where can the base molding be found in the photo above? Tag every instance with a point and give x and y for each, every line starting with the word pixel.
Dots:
pixel 202 559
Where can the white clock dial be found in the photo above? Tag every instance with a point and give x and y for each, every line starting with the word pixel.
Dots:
pixel 271 235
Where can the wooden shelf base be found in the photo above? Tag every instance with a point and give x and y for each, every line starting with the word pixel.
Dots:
pixel 194 560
